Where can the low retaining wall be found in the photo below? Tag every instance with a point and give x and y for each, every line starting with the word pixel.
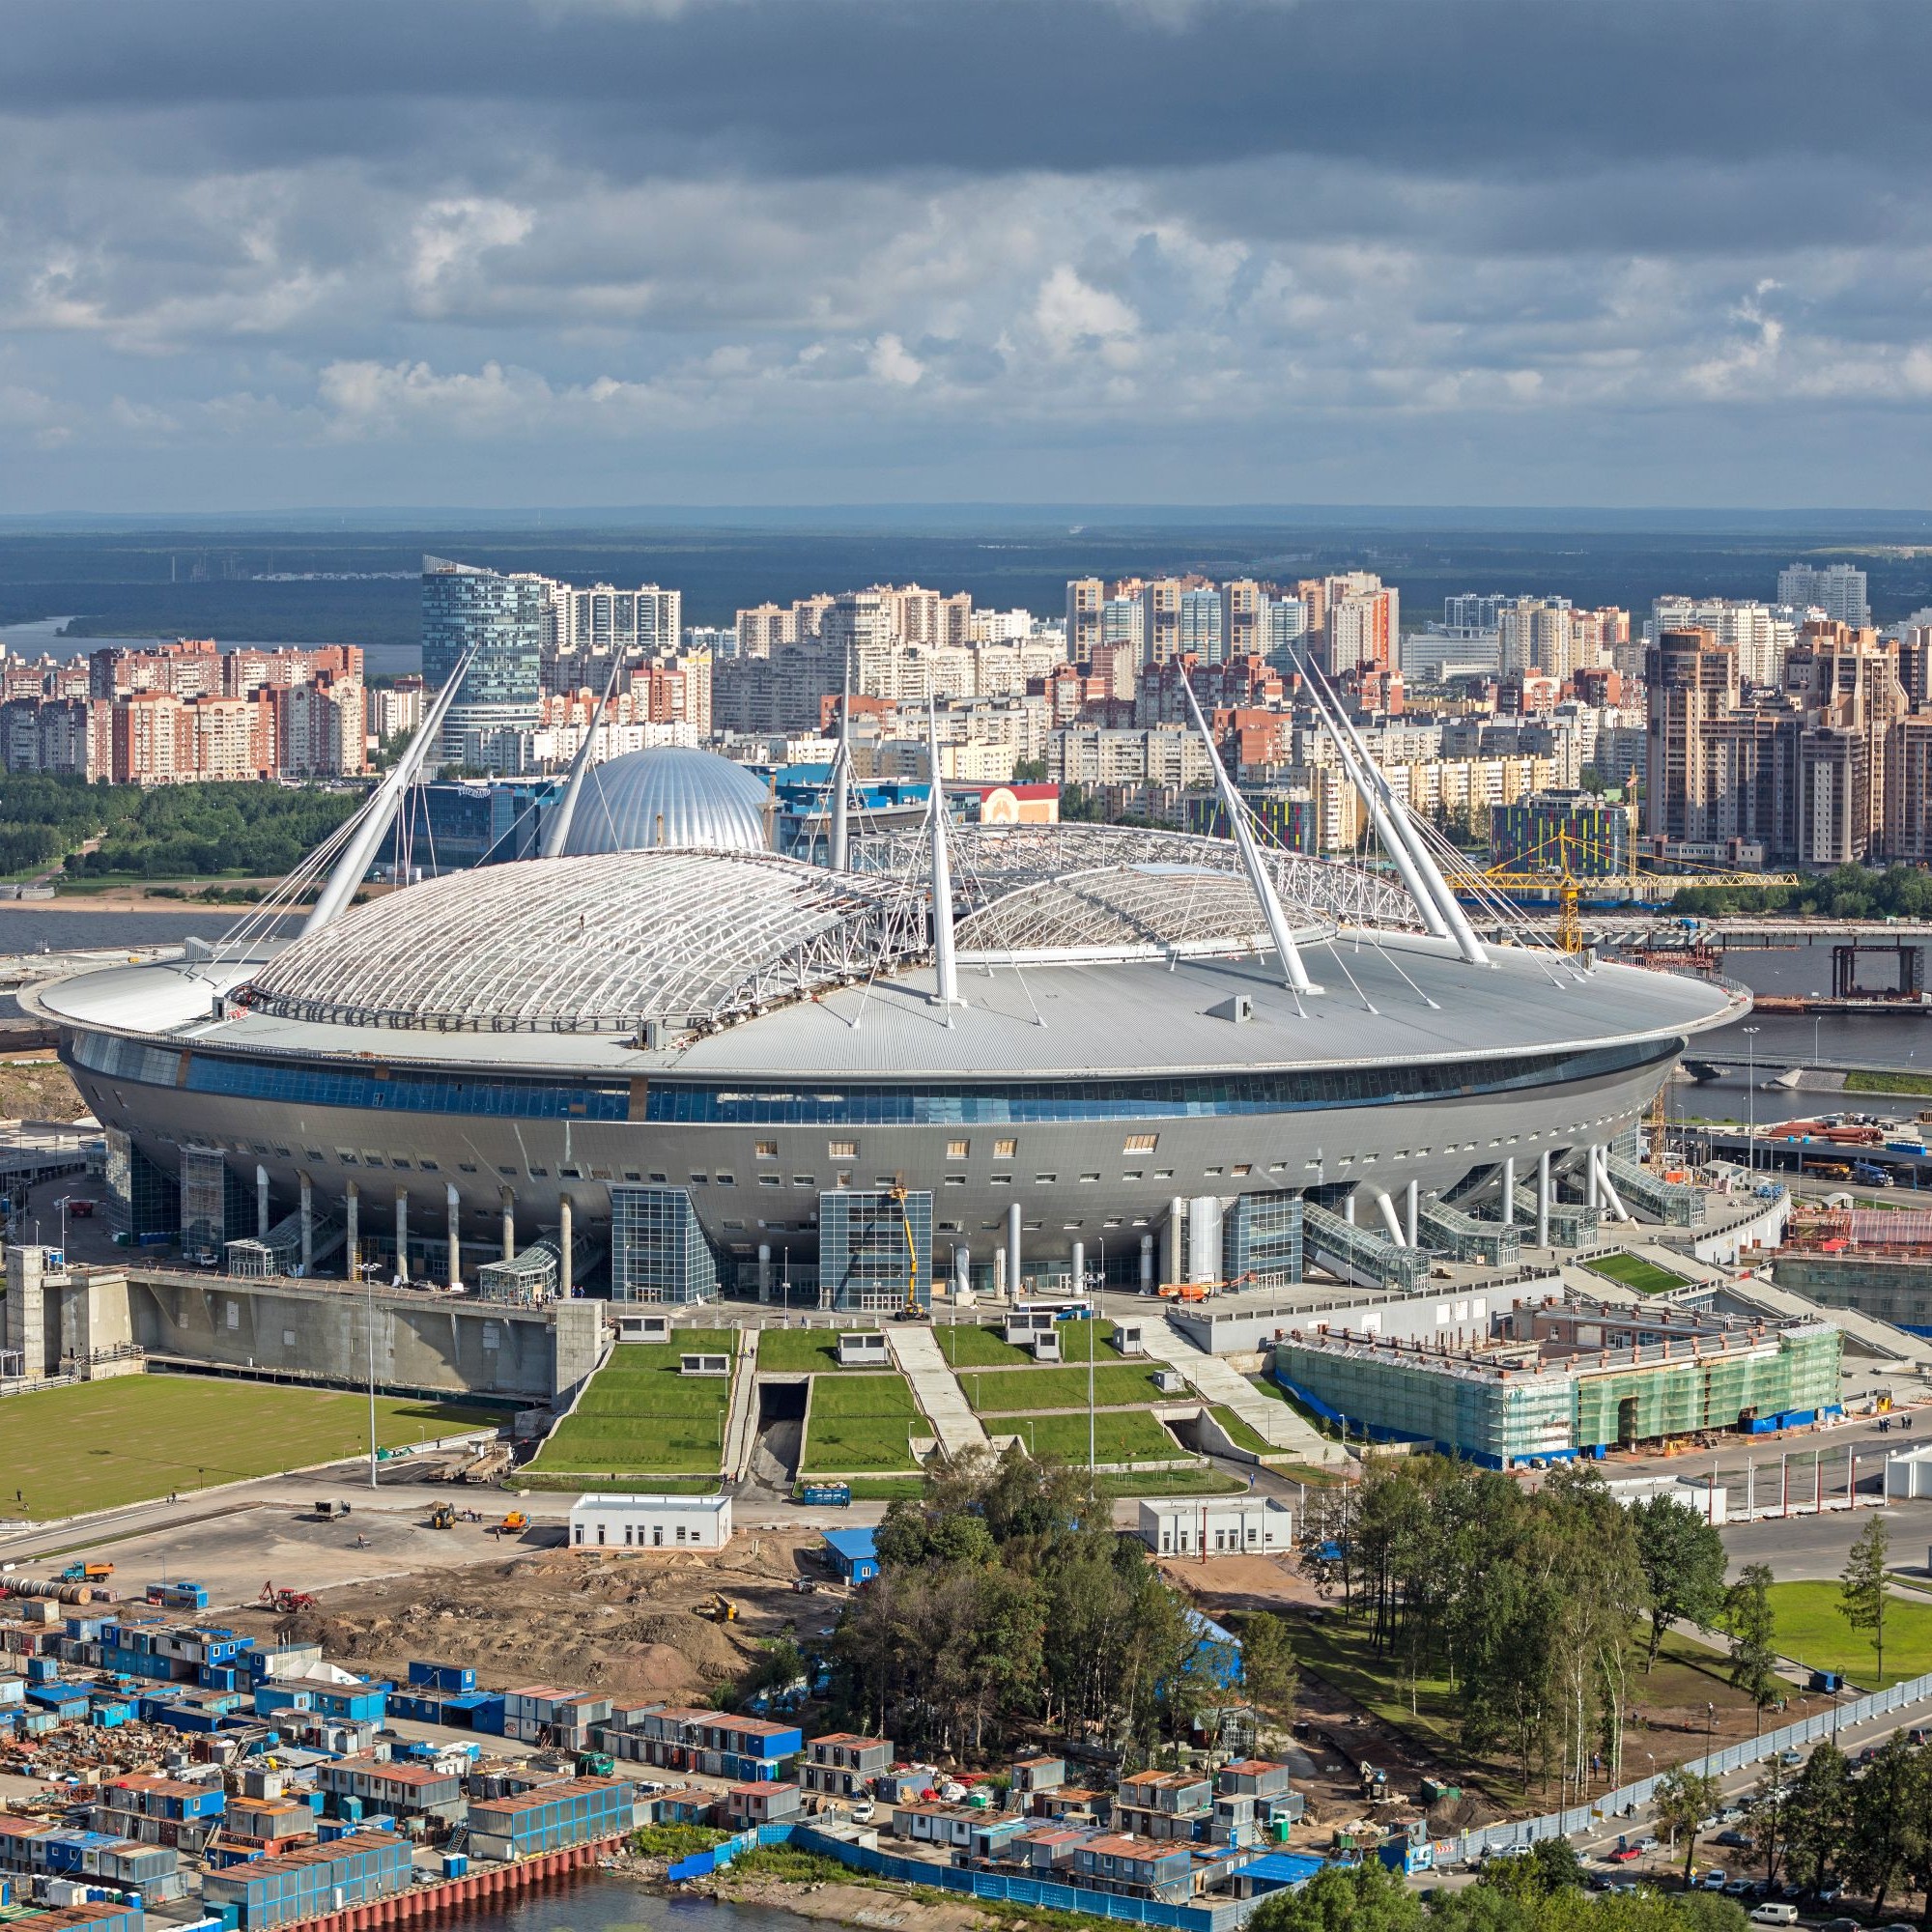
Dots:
pixel 484 1882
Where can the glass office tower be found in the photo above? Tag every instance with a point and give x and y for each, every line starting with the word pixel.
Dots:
pixel 503 617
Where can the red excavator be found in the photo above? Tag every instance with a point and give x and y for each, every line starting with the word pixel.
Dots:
pixel 287 1602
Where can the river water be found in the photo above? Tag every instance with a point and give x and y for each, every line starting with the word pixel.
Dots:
pixel 596 1903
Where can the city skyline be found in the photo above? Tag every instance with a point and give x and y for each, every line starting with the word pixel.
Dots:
pixel 745 253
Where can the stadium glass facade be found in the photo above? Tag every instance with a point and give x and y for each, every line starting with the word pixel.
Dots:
pixel 1260 1235
pixel 659 1252
pixel 868 1246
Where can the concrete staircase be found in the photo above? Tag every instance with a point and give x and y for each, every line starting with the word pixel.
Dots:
pixel 741 1421
pixel 918 1357
pixel 1215 1382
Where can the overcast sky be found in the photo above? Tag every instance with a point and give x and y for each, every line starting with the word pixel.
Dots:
pixel 267 253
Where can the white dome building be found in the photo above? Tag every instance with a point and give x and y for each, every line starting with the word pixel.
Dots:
pixel 670 795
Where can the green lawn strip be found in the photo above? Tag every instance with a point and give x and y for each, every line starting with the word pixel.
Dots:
pixel 885 1489
pixel 1119 1436
pixel 860 1422
pixel 1811 1627
pixel 801 1351
pixel 972 1345
pixel 641 1417
pixel 1632 1271
pixel 1191 1480
pixel 1005 1391
pixel 1241 1433
pixel 1888 1083
pixel 99 1445
pixel 552 1482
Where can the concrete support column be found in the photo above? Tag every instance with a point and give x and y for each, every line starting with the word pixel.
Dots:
pixel 1203 1238
pixel 764 1271
pixel 1146 1261
pixel 963 1269
pixel 1591 1197
pixel 1013 1276
pixel 1079 1267
pixel 261 1203
pixel 1509 1190
pixel 402 1234
pixel 307 1227
pixel 1177 1226
pixel 1606 1187
pixel 1542 1199
pixel 565 1240
pixel 509 1225
pixel 1386 1209
pixel 1348 1210
pixel 1412 1211
pixel 453 1201
pixel 352 1233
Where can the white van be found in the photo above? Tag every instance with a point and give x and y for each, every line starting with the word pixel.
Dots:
pixel 1773 1911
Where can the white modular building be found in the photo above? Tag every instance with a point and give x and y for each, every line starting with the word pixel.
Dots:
pixel 1217 1527
pixel 650 1522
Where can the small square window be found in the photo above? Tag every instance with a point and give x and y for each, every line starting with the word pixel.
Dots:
pixel 428 1166
pixel 804 1181
pixel 315 1153
pixel 1090 1177
pixel 632 1174
pixel 1133 1174
pixel 658 1179
pixel 1140 1144
pixel 728 1180
pixel 571 1171
pixel 1163 1173
pixel 1044 1180
pixel 955 1180
pixel 539 1174
pixel 1000 1180
pixel 770 1180
pixel 1005 1149
pixel 768 1150
pixel 466 1167
pixel 841 1149
pixel 700 1181
pixel 1244 1167
pixel 510 1173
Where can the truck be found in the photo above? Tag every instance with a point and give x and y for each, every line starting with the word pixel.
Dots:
pixel 87 1572
pixel 826 1495
pixel 1870 1174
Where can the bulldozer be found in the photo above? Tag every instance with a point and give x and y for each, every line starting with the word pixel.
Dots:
pixel 441 1517
pixel 719 1607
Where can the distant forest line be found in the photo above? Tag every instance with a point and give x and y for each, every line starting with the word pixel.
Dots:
pixel 118 581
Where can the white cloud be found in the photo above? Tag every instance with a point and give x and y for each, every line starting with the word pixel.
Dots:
pixel 892 362
pixel 1072 314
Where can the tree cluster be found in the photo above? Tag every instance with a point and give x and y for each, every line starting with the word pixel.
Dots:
pixel 1852 892
pixel 1006 1606
pixel 1867 1826
pixel 1528 1603
pixel 1540 1891
pixel 182 830
pixel 41 818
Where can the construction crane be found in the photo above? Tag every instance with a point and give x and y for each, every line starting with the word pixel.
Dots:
pixel 1547 867
pixel 898 1193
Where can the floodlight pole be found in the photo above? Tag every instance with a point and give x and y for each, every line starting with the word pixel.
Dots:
pixel 369 1281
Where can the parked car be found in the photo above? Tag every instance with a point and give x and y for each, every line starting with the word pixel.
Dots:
pixel 1790 1758
pixel 1737 1888
pixel 864 1811
pixel 1773 1911
pixel 1842 1925
pixel 1830 1893
pixel 1712 1881
pixel 1622 1855
pixel 1741 1839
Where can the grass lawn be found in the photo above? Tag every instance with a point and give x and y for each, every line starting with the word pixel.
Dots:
pixel 1240 1435
pixel 1006 1391
pixel 800 1351
pixel 1888 1083
pixel 1634 1272
pixel 1189 1480
pixel 860 1422
pixel 1812 1629
pixel 98 1445
pixel 639 1417
pixel 565 1484
pixel 1119 1436
pixel 972 1345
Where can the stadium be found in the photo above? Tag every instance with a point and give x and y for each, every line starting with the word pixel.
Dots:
pixel 1018 1056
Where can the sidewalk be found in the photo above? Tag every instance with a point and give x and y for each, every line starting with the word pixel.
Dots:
pixel 935 1386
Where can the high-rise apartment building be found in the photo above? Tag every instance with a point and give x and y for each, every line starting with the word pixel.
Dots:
pixel 1243 614
pixel 1198 630
pixel 502 618
pixel 1839 589
pixel 1364 625
pixel 1160 619
pixel 1473 610
pixel 1086 598
pixel 1762 636
pixel 1692 681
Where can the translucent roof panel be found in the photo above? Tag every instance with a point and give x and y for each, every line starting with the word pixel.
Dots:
pixel 593 945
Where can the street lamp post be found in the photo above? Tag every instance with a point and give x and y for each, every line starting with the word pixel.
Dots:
pixel 1750 1098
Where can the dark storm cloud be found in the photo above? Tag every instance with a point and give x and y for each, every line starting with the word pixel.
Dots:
pixel 1494 86
pixel 767 250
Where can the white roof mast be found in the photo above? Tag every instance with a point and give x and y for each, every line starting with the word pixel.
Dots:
pixel 1259 877
pixel 557 833
pixel 945 968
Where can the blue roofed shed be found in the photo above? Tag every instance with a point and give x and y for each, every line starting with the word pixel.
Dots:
pixel 1277 1871
pixel 855 1554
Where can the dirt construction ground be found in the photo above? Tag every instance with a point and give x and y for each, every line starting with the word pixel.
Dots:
pixel 620 1624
